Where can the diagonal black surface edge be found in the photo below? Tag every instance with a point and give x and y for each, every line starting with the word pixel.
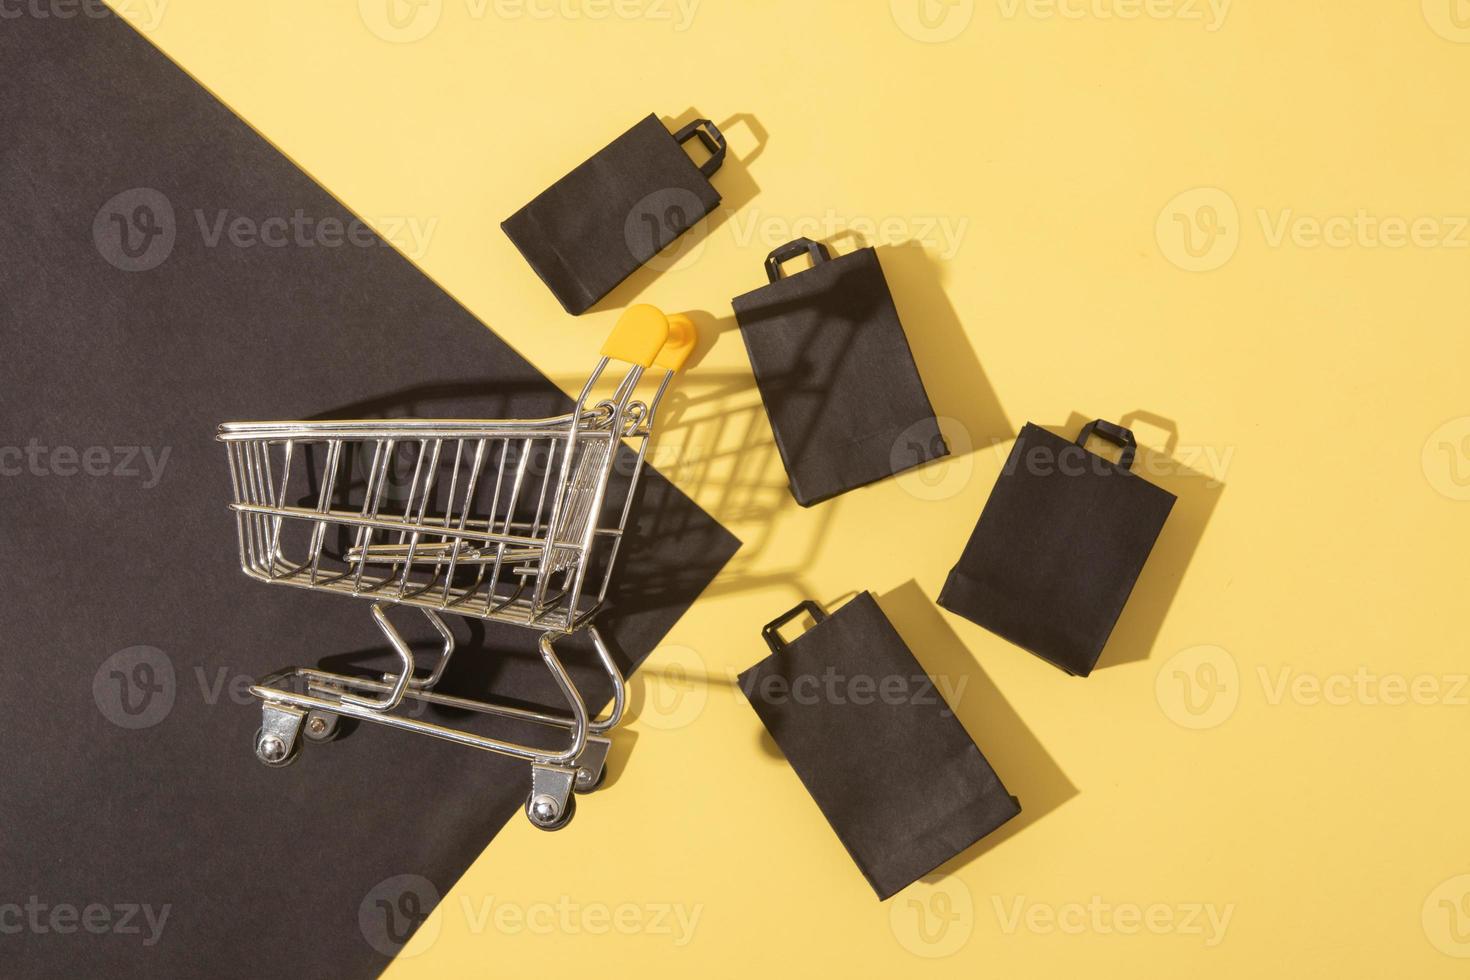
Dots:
pixel 260 871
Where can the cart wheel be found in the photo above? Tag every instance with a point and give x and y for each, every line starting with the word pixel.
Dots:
pixel 544 813
pixel 587 783
pixel 321 726
pixel 270 750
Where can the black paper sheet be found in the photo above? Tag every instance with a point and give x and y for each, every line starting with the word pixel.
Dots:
pixel 139 836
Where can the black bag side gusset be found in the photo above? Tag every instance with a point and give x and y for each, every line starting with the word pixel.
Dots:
pixel 594 227
pixel 898 778
pixel 836 375
pixel 1059 545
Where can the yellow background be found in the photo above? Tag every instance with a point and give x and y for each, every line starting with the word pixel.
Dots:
pixel 1318 393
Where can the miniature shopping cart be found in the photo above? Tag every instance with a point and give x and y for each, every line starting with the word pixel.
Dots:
pixel 514 522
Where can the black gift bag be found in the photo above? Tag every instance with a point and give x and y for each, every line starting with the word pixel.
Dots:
pixel 1059 545
pixel 835 372
pixel 590 230
pixel 875 744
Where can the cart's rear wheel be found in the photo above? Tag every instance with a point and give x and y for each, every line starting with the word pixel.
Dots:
pixel 587 782
pixel 545 814
pixel 272 751
pixel 321 726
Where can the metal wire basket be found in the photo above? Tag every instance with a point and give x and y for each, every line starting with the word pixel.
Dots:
pixel 513 521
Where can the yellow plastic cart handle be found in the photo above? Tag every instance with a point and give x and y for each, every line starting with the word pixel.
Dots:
pixel 644 336
pixel 676 350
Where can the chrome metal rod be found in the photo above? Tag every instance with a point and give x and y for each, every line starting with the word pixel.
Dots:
pixel 405 668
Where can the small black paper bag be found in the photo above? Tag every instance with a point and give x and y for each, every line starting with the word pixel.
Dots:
pixel 835 372
pixel 1059 545
pixel 590 230
pixel 881 753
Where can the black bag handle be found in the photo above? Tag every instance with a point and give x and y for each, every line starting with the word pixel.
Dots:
pixel 709 134
pixel 771 633
pixel 1114 433
pixel 791 250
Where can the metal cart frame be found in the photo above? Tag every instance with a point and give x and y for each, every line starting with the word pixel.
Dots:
pixel 476 532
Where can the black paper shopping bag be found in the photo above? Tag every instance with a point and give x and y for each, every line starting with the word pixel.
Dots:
pixel 592 228
pixel 835 372
pixel 879 750
pixel 1059 545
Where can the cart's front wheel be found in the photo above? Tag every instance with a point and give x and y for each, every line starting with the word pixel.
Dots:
pixel 545 813
pixel 272 750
